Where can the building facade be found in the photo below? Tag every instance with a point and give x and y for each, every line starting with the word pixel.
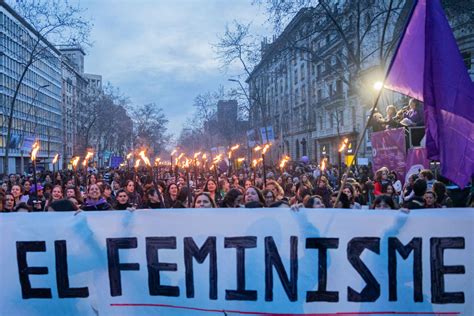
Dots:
pixel 74 88
pixel 314 94
pixel 37 113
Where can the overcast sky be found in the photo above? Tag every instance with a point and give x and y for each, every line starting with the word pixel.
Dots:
pixel 160 50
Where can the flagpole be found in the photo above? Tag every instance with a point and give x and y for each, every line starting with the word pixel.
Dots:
pixel 356 151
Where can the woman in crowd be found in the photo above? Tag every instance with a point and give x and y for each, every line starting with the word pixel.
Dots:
pixel 94 200
pixel 17 192
pixel 153 199
pixel 121 202
pixel 171 195
pixel 343 201
pixel 430 200
pixel 204 200
pixel 381 181
pixel 108 193
pixel 390 191
pixel 72 192
pixel 324 190
pixel 134 197
pixel 211 188
pixel 8 203
pixel 253 198
pixel 383 202
pixel 314 201
pixel 233 198
pixel 269 197
pixel 442 198
pixel 349 191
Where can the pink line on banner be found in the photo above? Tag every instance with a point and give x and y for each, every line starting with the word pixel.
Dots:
pixel 280 314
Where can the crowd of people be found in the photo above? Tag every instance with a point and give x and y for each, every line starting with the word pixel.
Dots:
pixel 300 185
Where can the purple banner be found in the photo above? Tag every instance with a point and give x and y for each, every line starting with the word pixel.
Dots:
pixel 389 150
pixel 417 159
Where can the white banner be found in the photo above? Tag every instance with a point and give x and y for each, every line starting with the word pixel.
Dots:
pixel 238 262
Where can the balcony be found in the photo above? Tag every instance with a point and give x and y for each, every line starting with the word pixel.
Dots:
pixel 332 132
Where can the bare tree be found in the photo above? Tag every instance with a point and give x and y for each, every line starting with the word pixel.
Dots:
pixel 53 20
pixel 150 127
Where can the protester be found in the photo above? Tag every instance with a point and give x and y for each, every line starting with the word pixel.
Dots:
pixel 383 202
pixel 94 200
pixel 8 203
pixel 121 202
pixel 204 200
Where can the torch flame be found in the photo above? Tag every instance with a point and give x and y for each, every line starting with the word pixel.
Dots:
pixel 89 155
pixel 323 164
pixel 75 161
pixel 129 156
pixel 257 148
pixel 196 155
pixel 241 159
pixel 344 144
pixel 55 158
pixel 218 158
pixel 211 167
pixel 266 148
pixel 144 158
pixel 204 157
pixel 235 147
pixel 180 156
pixel 137 163
pixel 34 150
pixel 254 163
pixel 174 152
pixel 283 162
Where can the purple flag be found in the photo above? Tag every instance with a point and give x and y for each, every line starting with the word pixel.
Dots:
pixel 388 150
pixel 428 66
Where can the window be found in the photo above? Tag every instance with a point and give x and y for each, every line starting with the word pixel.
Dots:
pixel 296 76
pixel 297 149
pixel 466 56
pixel 302 72
pixel 339 87
pixel 341 118
pixel 320 122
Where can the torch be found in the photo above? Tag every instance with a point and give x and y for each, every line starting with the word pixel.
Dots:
pixel 34 152
pixel 321 169
pixel 55 160
pixel 171 161
pixel 339 154
pixel 176 169
pixel 195 165
pixel 137 165
pixel 265 148
pixel 254 167
pixel 217 159
pixel 147 163
pixel 283 162
pixel 157 166
pixel 231 162
pixel 74 162
pixel 89 155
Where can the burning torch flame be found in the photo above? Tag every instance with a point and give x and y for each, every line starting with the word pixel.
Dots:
pixel 343 145
pixel 204 157
pixel 137 163
pixel 144 158
pixel 283 162
pixel 157 160
pixel 129 156
pixel 218 158
pixel 174 152
pixel 241 159
pixel 196 155
pixel 55 158
pixel 235 147
pixel 89 155
pixel 266 148
pixel 180 156
pixel 34 150
pixel 257 148
pixel 254 163
pixel 211 167
pixel 75 161
pixel 323 164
